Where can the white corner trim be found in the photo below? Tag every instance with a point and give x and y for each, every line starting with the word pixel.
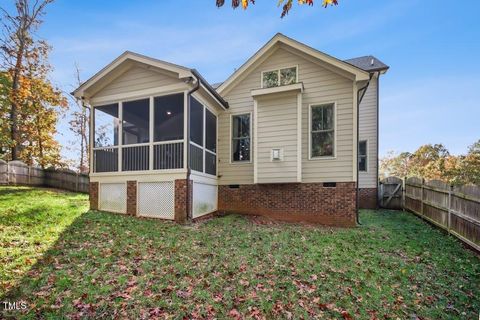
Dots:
pixel 255 131
pixel 279 89
pixel 299 136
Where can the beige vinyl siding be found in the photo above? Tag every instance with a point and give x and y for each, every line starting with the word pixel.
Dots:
pixel 368 131
pixel 135 79
pixel 320 86
pixel 277 128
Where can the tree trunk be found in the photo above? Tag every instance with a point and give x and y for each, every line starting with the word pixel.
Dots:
pixel 14 108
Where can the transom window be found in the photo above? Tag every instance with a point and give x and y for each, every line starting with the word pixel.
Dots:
pixel 362 155
pixel 279 77
pixel 322 130
pixel 241 137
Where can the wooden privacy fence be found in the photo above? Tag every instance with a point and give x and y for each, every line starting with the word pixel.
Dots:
pixel 18 173
pixel 453 208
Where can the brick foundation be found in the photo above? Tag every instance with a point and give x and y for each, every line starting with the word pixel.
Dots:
pixel 93 195
pixel 181 199
pixel 367 198
pixel 132 198
pixel 307 202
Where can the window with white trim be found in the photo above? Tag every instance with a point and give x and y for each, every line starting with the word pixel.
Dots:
pixel 241 137
pixel 279 77
pixel 322 130
pixel 362 156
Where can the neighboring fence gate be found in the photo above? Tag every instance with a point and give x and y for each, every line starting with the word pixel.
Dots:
pixel 453 208
pixel 390 193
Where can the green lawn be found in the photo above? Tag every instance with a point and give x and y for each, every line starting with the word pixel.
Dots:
pixel 105 265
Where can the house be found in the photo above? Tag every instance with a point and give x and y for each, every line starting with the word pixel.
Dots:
pixel 287 135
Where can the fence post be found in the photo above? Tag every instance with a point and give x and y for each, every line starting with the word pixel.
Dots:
pixel 404 190
pixel 421 208
pixel 449 222
pixel 8 173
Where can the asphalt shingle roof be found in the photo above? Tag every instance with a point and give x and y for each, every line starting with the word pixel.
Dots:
pixel 367 63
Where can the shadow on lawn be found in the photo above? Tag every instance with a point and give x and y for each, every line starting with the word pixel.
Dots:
pixel 62 281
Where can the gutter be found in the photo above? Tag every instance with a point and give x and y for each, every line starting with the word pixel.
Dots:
pixel 214 92
pixel 189 95
pixel 360 96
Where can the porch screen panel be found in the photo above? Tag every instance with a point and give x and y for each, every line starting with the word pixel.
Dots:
pixel 135 158
pixel 105 160
pixel 196 121
pixel 210 163
pixel 168 156
pixel 168 117
pixel 106 123
pixel 196 158
pixel 136 121
pixel 210 131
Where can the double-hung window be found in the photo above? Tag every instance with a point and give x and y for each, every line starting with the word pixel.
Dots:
pixel 322 130
pixel 279 77
pixel 362 155
pixel 241 138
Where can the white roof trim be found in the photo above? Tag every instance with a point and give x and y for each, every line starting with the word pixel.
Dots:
pixel 280 38
pixel 128 55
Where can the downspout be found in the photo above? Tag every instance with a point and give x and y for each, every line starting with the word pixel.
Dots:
pixel 360 96
pixel 378 136
pixel 187 196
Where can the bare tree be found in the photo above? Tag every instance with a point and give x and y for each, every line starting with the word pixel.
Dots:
pixel 79 125
pixel 16 45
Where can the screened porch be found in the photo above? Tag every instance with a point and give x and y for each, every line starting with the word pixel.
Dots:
pixel 149 135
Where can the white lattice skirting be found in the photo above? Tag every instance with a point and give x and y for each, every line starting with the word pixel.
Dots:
pixel 156 200
pixel 113 197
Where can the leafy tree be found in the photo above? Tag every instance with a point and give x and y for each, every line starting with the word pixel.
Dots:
pixel 286 4
pixel 435 162
pixel 18 49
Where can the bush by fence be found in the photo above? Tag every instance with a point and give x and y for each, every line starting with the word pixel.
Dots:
pixel 18 173
pixel 453 208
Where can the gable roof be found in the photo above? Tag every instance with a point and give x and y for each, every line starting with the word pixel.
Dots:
pixel 126 58
pixel 368 63
pixel 278 39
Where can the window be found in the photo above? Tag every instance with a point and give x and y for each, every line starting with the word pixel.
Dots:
pixel 106 125
pixel 322 130
pixel 168 117
pixel 279 77
pixel 241 137
pixel 136 122
pixel 362 156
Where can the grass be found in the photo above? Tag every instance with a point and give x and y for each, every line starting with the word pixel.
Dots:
pixel 107 265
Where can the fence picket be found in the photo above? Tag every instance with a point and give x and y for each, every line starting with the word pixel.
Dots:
pixel 455 209
pixel 18 173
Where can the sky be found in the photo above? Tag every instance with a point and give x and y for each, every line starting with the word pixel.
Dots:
pixel 431 94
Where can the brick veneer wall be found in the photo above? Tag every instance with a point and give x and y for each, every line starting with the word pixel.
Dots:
pixel 93 195
pixel 132 198
pixel 308 202
pixel 181 199
pixel 367 198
